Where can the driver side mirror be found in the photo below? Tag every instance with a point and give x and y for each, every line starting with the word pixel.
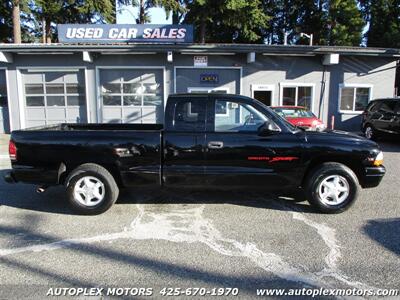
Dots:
pixel 268 128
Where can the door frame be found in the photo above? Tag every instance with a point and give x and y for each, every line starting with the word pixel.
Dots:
pixel 10 120
pixel 263 87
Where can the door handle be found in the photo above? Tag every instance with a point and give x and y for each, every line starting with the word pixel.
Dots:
pixel 215 145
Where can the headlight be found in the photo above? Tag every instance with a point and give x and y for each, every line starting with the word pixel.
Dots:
pixel 320 127
pixel 378 159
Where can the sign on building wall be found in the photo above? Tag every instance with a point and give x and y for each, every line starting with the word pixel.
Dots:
pixel 209 78
pixel 114 33
pixel 200 61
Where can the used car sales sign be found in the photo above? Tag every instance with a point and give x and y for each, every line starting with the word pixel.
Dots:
pixel 114 33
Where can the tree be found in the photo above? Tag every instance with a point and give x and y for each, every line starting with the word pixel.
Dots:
pixel 49 13
pixel 345 23
pixel 313 18
pixel 6 21
pixel 384 22
pixel 332 22
pixel 178 11
pixel 227 20
pixel 16 22
pixel 174 6
pixel 284 21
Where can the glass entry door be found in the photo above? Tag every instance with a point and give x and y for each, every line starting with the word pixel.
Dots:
pixel 263 93
pixel 4 118
pixel 264 97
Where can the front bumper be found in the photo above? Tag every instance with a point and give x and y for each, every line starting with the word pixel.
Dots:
pixel 373 176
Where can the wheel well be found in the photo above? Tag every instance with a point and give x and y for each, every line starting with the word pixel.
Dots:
pixel 69 167
pixel 354 164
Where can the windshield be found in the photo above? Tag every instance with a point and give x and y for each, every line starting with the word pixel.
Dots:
pixel 289 125
pixel 293 112
pixel 282 119
pixel 277 116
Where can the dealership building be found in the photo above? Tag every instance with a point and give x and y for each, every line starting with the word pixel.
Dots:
pixel 42 84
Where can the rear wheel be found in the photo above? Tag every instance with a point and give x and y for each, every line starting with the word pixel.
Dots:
pixel 91 189
pixel 332 187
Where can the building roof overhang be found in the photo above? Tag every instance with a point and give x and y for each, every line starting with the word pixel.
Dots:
pixel 200 49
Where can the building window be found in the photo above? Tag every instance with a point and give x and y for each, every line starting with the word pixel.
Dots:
pixel 54 90
pixel 354 98
pixel 297 95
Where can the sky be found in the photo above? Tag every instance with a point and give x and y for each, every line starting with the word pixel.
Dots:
pixel 127 14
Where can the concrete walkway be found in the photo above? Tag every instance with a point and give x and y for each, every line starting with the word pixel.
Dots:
pixel 4 159
pixel 4 138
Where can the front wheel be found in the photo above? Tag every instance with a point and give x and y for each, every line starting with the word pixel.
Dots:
pixel 332 187
pixel 91 189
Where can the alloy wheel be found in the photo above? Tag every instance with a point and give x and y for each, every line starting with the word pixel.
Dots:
pixel 89 191
pixel 334 190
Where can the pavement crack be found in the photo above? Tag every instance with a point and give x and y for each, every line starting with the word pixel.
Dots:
pixel 328 235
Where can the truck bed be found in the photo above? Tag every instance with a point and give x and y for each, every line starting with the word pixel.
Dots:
pixel 131 152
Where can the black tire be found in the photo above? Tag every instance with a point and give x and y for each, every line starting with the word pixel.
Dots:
pixel 95 173
pixel 326 171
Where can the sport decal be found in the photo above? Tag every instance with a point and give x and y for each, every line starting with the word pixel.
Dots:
pixel 273 159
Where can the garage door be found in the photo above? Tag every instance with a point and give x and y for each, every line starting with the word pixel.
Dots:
pixel 131 95
pixel 4 118
pixel 54 97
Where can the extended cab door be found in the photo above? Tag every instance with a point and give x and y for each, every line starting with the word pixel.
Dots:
pixel 184 140
pixel 238 155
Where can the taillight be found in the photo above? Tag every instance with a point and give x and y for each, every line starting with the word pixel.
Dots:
pixel 12 150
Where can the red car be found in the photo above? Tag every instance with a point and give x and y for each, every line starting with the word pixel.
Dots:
pixel 300 116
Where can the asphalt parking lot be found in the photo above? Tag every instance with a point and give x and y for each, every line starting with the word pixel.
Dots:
pixel 190 239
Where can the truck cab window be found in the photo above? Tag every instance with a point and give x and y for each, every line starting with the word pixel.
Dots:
pixel 190 115
pixel 237 117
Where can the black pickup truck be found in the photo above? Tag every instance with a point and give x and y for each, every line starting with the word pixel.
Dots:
pixel 208 141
